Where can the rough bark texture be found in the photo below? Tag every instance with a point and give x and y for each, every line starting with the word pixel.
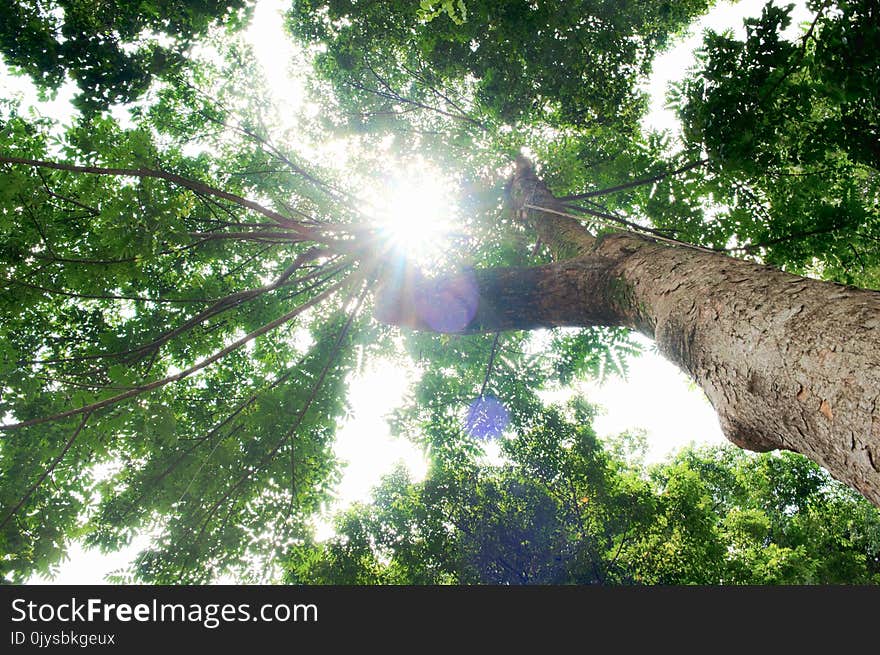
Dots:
pixel 787 362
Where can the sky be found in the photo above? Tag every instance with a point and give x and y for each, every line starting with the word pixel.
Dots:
pixel 656 397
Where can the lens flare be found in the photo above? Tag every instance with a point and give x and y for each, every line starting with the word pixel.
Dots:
pixel 486 418
pixel 416 216
pixel 449 303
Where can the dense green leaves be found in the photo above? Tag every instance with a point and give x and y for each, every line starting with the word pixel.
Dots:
pixel 125 305
pixel 793 139
pixel 562 509
pixel 567 63
pixel 111 50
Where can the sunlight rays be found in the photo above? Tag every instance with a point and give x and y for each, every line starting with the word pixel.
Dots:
pixel 415 215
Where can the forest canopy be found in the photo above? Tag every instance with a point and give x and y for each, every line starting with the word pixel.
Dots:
pixel 192 274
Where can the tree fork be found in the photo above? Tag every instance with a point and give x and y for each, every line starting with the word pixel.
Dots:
pixel 787 362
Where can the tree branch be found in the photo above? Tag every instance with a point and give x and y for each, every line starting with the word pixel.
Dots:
pixel 108 296
pixel 656 234
pixel 268 457
pixel 635 183
pixel 156 384
pixel 265 144
pixel 223 304
pixel 193 185
pixel 91 210
pixel 48 470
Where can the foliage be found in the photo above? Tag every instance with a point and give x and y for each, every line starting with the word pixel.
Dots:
pixel 117 283
pixel 113 286
pixel 792 134
pixel 111 49
pixel 561 509
pixel 456 10
pixel 569 63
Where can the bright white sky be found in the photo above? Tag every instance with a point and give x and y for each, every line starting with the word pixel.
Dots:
pixel 657 397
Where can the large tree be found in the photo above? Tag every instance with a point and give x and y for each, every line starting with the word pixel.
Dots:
pixel 184 297
pixel 787 362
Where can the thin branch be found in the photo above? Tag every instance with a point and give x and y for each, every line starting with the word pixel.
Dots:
pixel 79 385
pixel 209 202
pixel 391 94
pixel 39 228
pixel 752 247
pixel 264 143
pixel 89 262
pixel 267 458
pixel 614 219
pixel 91 210
pixel 623 540
pixel 318 383
pixel 71 294
pixel 253 171
pixel 439 93
pixel 219 306
pixel 48 470
pixel 124 260
pixel 218 223
pixel 491 363
pixel 250 259
pixel 267 237
pixel 226 303
pixel 156 384
pixel 205 461
pixel 801 54
pixel 231 301
pixel 211 434
pixel 635 183
pixel 186 183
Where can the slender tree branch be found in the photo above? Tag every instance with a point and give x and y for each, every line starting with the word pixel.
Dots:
pixel 264 143
pixel 88 262
pixel 318 383
pixel 193 185
pixel 491 363
pixel 266 237
pixel 91 210
pixel 635 183
pixel 440 94
pixel 47 471
pixel 198 442
pixel 752 247
pixel 802 52
pixel 268 457
pixel 156 384
pixel 39 228
pixel 108 296
pixel 391 94
pixel 192 479
pixel 614 219
pixel 228 302
pixel 251 258
pixel 219 306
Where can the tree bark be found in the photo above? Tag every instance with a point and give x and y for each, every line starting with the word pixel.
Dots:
pixel 787 362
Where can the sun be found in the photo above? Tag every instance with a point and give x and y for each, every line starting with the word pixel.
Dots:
pixel 416 215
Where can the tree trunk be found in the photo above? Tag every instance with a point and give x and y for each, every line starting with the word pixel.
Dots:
pixel 788 362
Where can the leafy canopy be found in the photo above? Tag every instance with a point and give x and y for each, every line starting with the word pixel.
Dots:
pixel 564 509
pixel 792 130
pixel 111 49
